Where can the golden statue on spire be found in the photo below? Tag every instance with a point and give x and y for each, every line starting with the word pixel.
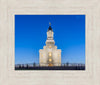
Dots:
pixel 49 23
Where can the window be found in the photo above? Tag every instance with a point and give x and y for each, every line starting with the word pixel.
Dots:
pixel 49 54
pixel 50 60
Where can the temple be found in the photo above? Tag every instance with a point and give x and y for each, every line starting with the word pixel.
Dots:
pixel 50 55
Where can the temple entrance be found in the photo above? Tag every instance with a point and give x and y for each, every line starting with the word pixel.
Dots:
pixel 50 64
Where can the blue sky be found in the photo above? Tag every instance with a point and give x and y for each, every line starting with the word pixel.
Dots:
pixel 30 36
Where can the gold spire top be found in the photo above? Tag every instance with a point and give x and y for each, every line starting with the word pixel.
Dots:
pixel 49 23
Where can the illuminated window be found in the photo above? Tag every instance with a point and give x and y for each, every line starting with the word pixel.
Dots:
pixel 50 54
pixel 50 60
pixel 50 47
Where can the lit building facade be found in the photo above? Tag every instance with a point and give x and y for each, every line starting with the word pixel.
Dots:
pixel 50 55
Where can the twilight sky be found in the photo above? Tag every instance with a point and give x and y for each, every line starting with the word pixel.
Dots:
pixel 30 36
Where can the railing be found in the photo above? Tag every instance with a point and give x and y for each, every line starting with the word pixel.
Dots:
pixel 38 65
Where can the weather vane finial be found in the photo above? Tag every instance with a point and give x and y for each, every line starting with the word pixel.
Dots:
pixel 49 23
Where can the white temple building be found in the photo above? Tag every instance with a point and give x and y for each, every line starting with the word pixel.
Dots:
pixel 50 55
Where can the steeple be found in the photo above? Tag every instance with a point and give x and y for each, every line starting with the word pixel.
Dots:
pixel 50 36
pixel 50 55
pixel 50 29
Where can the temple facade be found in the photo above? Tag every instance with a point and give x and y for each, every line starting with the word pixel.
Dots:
pixel 50 55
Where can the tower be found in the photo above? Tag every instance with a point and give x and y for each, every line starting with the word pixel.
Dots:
pixel 50 55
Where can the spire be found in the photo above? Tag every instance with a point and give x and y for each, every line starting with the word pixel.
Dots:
pixel 50 27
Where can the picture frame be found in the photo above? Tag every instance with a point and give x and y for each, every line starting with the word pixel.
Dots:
pixel 8 76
